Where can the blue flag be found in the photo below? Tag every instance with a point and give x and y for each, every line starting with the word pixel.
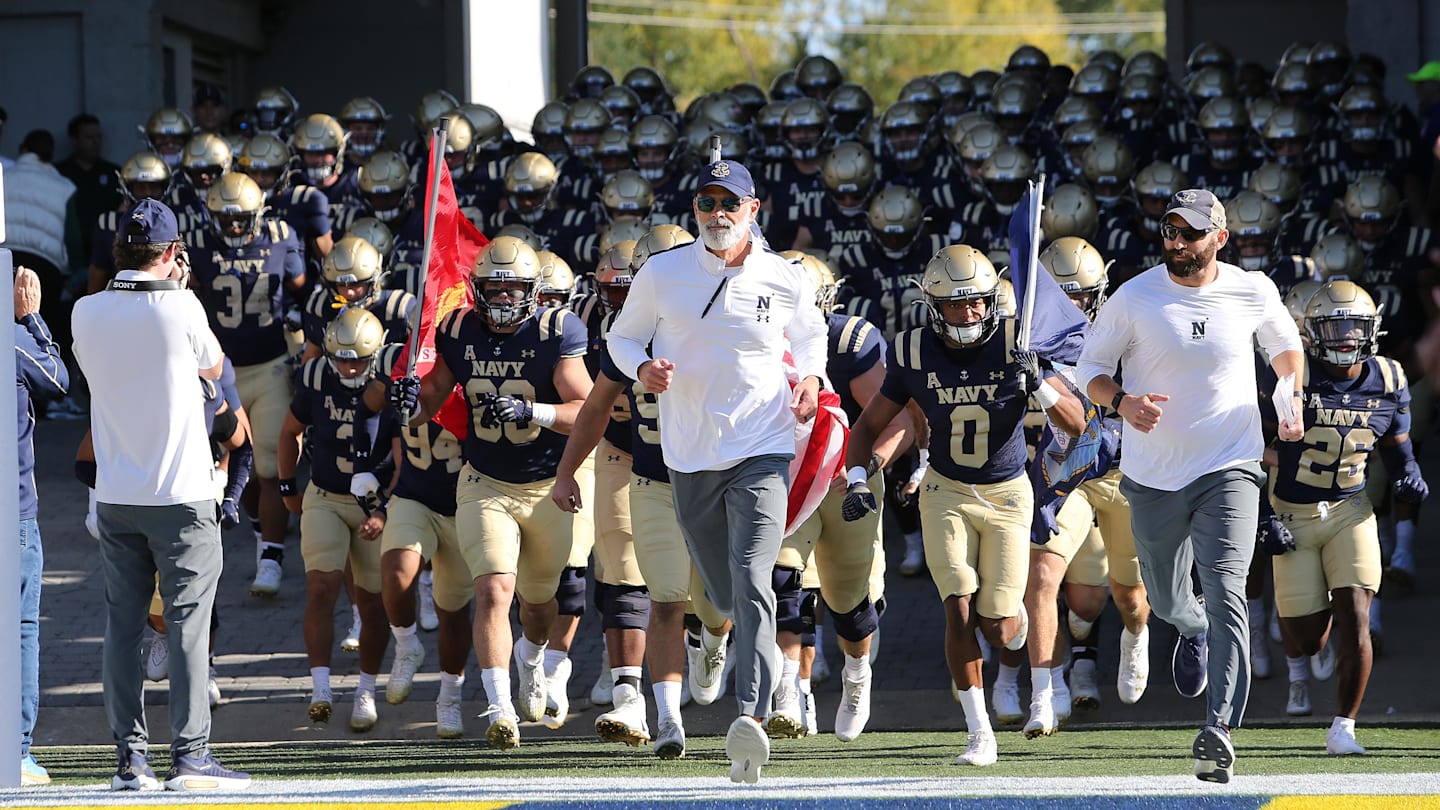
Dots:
pixel 1056 471
pixel 1056 326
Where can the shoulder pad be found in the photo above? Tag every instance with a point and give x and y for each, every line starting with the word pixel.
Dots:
pixel 312 374
pixel 317 302
pixel 389 355
pixel 552 323
pixel 108 220
pixel 585 306
pixel 907 348
pixel 1392 374
pixel 397 304
pixel 854 333
pixel 450 324
pixel 208 389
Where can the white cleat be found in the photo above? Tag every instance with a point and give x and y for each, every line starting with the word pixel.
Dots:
pixel 1005 699
pixel 557 695
pixel 980 749
pixel 402 672
pixel 602 693
pixel 449 719
pixel 1298 704
pixel 820 670
pixel 1061 702
pixel 212 689
pixel 504 731
pixel 1275 627
pixel 530 697
pixel 267 578
pixel 748 748
pixel 671 742
pixel 626 722
pixel 1259 652
pixel 854 711
pixel 425 599
pixel 363 715
pixel 1042 722
pixel 351 642
pixel 1134 673
pixel 1341 743
pixel 808 714
pixel 157 663
pixel 914 561
pixel 707 671
pixel 784 720
pixel 685 697
pixel 1084 692
pixel 1322 664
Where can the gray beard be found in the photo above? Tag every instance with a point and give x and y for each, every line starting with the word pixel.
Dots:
pixel 724 240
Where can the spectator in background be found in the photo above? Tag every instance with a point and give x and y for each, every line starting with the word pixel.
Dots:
pixel 1427 98
pixel 39 374
pixel 97 189
pixel 209 110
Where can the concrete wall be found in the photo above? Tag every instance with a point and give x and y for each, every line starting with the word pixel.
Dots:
pixel 1253 31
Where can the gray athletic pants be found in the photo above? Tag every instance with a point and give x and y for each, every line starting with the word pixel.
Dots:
pixel 182 544
pixel 1210 522
pixel 733 521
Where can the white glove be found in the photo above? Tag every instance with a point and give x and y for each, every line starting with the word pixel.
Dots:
pixel 364 485
pixel 92 522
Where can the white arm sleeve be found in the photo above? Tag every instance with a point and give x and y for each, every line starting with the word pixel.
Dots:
pixel 634 328
pixel 1109 337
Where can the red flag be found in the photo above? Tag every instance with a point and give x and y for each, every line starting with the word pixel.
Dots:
pixel 455 244
pixel 819 454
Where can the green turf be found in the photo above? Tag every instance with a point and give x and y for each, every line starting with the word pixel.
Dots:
pixel 1107 752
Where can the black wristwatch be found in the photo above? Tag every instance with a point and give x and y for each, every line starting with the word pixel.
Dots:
pixel 820 381
pixel 1115 403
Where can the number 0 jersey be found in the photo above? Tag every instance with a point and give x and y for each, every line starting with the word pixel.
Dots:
pixel 1345 419
pixel 521 363
pixel 971 399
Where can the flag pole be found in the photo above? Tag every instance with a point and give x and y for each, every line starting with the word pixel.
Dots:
pixel 432 179
pixel 1032 265
pixel 714 148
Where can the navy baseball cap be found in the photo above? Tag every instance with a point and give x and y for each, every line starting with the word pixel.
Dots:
pixel 727 174
pixel 150 222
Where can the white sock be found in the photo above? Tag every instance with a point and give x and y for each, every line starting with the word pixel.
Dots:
pixel 366 683
pixel 404 636
pixel 531 653
pixel 553 659
pixel 804 686
pixel 1040 680
pixel 450 686
pixel 667 700
pixel 789 669
pixel 972 701
pixel 1299 668
pixel 1346 724
pixel 711 642
pixel 856 668
pixel 496 681
pixel 320 681
pixel 1007 675
pixel 1057 679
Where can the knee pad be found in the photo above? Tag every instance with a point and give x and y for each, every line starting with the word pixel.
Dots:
pixel 880 608
pixel 624 607
pixel 789 601
pixel 570 594
pixel 857 623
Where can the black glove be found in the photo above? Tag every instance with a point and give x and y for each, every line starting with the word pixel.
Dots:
pixel 1410 487
pixel 1028 369
pixel 859 502
pixel 1274 538
pixel 229 514
pixel 405 395
pixel 505 408
pixel 294 319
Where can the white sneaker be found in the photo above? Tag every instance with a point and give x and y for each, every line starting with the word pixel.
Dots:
pixel 212 689
pixel 351 642
pixel 1259 652
pixel 530 696
pixel 820 670
pixel 626 722
pixel 267 578
pixel 1341 743
pixel 1084 692
pixel 1298 704
pixel 363 714
pixel 1042 722
pixel 707 670
pixel 425 596
pixel 601 692
pixel 1322 664
pixel 980 749
pixel 1061 701
pixel 557 695
pixel 402 672
pixel 1005 699
pixel 1275 627
pixel 784 720
pixel 914 561
pixel 854 711
pixel 157 663
pixel 1018 642
pixel 748 749
pixel 1134 673
pixel 504 731
pixel 808 713
pixel 671 742
pixel 449 719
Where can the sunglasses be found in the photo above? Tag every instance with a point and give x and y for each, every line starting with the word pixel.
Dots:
pixel 729 205
pixel 1171 232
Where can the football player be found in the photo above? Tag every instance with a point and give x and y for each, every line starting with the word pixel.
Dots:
pixel 353 275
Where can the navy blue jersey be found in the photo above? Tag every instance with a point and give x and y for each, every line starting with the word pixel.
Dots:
pixel 833 230
pixel 855 347
pixel 518 364
pixel 227 384
pixel 244 289
pixel 185 200
pixel 1223 183
pixel 794 198
pixel 391 307
pixel 335 416
pixel 981 226
pixel 561 229
pixel 430 467
pixel 971 399
pixel 672 200
pixel 871 274
pixel 346 190
pixel 1289 271
pixel 618 431
pixel 1346 420
pixel 305 209
pixel 647 460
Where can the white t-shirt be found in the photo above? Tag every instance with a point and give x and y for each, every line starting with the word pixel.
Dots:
pixel 142 353
pixel 1196 345
pixel 729 399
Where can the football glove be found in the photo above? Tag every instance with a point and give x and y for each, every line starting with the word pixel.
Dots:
pixel 505 408
pixel 294 320
pixel 1411 487
pixel 859 502
pixel 1028 369
pixel 1274 538
pixel 229 514
pixel 405 395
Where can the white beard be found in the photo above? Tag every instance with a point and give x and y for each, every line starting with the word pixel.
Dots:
pixel 726 239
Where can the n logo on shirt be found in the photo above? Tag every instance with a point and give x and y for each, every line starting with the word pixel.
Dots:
pixel 762 308
pixel 1197 330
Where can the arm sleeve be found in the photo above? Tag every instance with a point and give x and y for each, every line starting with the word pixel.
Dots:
pixel 37 359
pixel 294 259
pixel 807 332
pixel 317 213
pixel 1109 337
pixel 1277 331
pixel 634 328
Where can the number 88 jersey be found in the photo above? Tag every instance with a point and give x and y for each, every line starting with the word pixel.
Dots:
pixel 1345 420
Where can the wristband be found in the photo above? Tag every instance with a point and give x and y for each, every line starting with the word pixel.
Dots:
pixel 1047 396
pixel 287 487
pixel 855 475
pixel 542 414
pixel 1115 402
pixel 925 458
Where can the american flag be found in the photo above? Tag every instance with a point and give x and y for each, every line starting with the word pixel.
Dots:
pixel 819 454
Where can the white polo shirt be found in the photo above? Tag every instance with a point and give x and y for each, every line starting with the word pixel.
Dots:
pixel 142 353
pixel 1196 345
pixel 729 399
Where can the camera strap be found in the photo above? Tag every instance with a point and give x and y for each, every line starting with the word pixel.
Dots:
pixel 147 285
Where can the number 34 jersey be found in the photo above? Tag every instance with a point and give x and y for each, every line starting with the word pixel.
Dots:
pixel 971 399
pixel 1345 419
pixel 244 289
pixel 521 364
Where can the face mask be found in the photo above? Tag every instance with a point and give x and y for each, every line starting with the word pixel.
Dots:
pixel 964 334
pixel 457 174
pixel 1224 154
pixel 173 161
pixel 319 174
pixel 1362 134
pixel 363 149
pixel 652 174
pixel 388 215
pixel 353 383
pixel 1254 263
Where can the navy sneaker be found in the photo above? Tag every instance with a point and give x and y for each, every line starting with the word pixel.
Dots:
pixel 204 773
pixel 134 773
pixel 1214 755
pixel 1190 663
